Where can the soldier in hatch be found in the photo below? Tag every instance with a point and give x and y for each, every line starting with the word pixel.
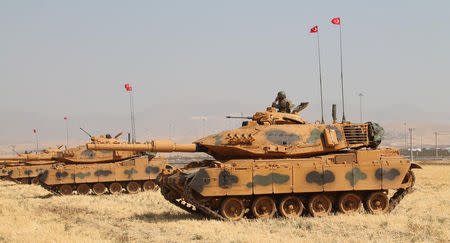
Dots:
pixel 282 103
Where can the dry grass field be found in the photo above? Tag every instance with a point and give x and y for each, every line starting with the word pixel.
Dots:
pixel 28 213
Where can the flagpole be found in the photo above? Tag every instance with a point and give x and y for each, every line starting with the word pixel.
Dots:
pixel 37 141
pixel 342 73
pixel 320 77
pixel 67 133
pixel 133 127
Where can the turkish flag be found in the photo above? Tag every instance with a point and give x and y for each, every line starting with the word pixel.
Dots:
pixel 65 118
pixel 314 29
pixel 34 130
pixel 128 87
pixel 336 21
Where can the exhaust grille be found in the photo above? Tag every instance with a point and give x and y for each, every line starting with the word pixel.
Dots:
pixel 356 134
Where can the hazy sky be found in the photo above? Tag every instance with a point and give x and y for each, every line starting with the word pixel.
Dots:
pixel 212 58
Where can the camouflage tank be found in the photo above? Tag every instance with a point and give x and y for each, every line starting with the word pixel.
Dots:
pixel 83 170
pixel 277 162
pixel 113 177
pixel 24 167
pixel 52 164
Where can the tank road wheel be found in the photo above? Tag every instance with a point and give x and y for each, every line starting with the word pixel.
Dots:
pixel 290 207
pixel 349 203
pixel 99 188
pixel 149 186
pixel 133 187
pixel 65 190
pixel 115 188
pixel 83 189
pixel 35 181
pixel 319 205
pixel 264 207
pixel 376 202
pixel 232 208
pixel 24 181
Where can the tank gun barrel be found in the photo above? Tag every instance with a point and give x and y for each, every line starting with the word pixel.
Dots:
pixel 26 157
pixel 8 158
pixel 240 117
pixel 154 146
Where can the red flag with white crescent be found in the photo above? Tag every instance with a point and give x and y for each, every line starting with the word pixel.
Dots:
pixel 128 87
pixel 336 21
pixel 314 29
pixel 34 130
pixel 65 118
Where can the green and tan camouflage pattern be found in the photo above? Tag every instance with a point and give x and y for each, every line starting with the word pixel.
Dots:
pixel 269 134
pixel 137 169
pixel 351 171
pixel 28 166
pixel 76 155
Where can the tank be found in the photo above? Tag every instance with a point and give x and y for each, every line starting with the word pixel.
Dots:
pixel 279 164
pixel 25 168
pixel 131 175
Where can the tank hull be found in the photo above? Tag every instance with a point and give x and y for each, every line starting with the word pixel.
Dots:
pixel 130 175
pixel 268 182
pixel 24 174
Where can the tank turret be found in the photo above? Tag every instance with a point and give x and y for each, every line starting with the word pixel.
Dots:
pixel 269 134
pixel 46 155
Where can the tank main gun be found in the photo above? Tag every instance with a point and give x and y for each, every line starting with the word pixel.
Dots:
pixel 27 157
pixel 240 117
pixel 154 146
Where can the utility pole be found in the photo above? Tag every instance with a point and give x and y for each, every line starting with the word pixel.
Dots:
pixel 421 143
pixel 204 124
pixel 411 144
pixel 170 130
pixel 360 106
pixel 406 137
pixel 436 142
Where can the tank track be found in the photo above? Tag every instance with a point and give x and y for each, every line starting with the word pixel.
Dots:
pixel 209 213
pixel 401 193
pixel 206 211
pixel 49 188
pixel 189 203
pixel 179 202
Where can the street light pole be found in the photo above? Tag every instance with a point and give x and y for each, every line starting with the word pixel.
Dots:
pixel 406 137
pixel 436 141
pixel 204 124
pixel 411 144
pixel 360 107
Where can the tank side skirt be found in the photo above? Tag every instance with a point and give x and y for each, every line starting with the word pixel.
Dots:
pixel 105 173
pixel 212 213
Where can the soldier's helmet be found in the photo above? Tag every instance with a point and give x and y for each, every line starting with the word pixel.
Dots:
pixel 282 94
pixel 108 135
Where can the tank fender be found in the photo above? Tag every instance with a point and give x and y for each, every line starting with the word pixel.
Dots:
pixel 415 166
